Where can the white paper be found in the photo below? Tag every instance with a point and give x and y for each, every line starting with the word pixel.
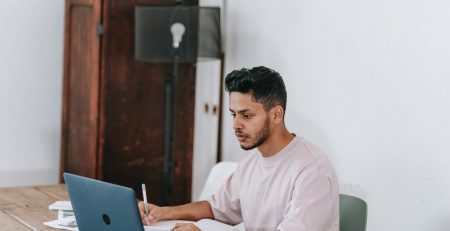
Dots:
pixel 63 214
pixel 164 225
pixel 204 224
pixel 67 223
pixel 208 224
pixel 61 205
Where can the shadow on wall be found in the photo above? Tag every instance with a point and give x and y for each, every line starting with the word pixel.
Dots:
pixel 306 128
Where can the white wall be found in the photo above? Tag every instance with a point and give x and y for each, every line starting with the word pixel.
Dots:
pixel 31 59
pixel 369 82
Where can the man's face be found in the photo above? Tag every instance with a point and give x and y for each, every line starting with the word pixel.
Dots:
pixel 250 121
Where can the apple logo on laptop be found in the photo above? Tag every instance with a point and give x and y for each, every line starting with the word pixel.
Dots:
pixel 106 219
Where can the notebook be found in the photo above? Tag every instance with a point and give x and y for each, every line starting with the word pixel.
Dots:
pixel 203 224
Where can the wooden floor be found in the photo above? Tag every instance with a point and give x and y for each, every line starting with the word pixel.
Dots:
pixel 29 204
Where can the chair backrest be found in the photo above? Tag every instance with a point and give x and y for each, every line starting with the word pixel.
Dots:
pixel 217 176
pixel 353 213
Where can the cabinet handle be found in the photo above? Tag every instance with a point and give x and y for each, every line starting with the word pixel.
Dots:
pixel 206 107
pixel 215 110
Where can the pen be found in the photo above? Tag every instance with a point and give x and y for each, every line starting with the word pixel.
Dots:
pixel 144 194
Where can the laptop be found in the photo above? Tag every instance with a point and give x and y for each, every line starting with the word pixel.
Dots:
pixel 98 205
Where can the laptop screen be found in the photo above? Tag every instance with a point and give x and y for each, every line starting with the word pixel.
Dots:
pixel 99 205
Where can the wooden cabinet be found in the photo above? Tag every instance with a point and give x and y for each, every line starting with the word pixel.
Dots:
pixel 113 105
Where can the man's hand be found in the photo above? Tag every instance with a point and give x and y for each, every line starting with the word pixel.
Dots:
pixel 155 213
pixel 185 227
pixel 191 212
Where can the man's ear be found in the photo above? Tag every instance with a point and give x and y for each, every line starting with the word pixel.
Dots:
pixel 277 114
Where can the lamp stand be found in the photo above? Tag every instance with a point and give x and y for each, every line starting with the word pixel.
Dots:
pixel 170 90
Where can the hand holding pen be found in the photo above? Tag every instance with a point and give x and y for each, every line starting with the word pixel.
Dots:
pixel 143 207
pixel 150 213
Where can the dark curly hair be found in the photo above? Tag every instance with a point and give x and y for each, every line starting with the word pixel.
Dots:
pixel 265 84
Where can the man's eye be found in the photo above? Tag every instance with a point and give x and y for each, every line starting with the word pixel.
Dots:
pixel 247 116
pixel 233 115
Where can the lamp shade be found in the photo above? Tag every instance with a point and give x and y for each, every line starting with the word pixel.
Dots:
pixel 154 40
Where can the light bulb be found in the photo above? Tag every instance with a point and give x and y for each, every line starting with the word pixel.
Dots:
pixel 177 30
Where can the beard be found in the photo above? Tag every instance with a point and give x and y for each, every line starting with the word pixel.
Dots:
pixel 261 136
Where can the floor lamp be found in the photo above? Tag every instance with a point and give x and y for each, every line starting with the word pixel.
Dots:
pixel 174 34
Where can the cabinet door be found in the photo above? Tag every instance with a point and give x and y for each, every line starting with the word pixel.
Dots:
pixel 207 104
pixel 81 88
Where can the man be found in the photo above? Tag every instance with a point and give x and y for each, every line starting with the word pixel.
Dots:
pixel 286 183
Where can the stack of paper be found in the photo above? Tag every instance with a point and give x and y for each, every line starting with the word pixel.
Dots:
pixel 66 218
pixel 67 223
pixel 61 205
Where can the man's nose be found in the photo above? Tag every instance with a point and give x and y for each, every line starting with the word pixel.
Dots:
pixel 237 123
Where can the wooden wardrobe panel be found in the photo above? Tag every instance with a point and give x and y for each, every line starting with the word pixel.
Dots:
pixel 114 105
pixel 81 83
pixel 133 115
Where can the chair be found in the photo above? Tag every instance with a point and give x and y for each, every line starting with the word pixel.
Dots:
pixel 216 178
pixel 353 212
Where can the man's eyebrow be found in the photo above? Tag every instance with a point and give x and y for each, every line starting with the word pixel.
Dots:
pixel 240 111
pixel 243 110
